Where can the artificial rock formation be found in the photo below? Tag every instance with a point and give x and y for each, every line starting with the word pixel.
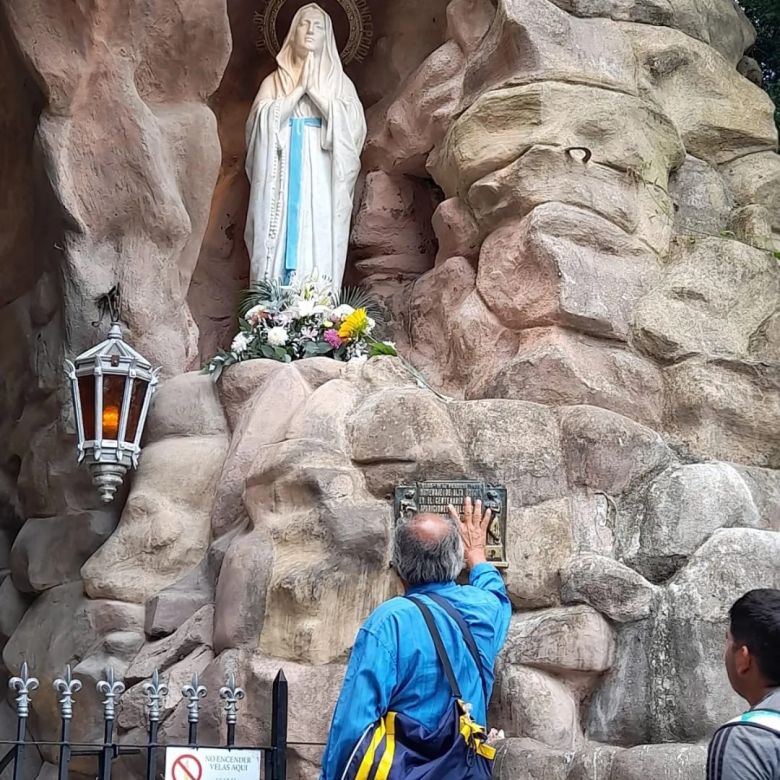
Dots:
pixel 567 209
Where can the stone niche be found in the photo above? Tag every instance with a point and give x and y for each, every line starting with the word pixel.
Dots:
pixel 567 208
pixel 393 231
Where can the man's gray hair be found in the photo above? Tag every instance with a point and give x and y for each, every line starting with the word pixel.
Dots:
pixel 419 560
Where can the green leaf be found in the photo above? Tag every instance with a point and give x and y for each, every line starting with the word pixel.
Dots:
pixel 267 351
pixel 380 348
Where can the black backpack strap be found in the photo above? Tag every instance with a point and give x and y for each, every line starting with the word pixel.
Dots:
pixel 468 637
pixel 438 644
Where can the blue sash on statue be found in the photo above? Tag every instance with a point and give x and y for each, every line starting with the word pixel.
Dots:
pixel 297 128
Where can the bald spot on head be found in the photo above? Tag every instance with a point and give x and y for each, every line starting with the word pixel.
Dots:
pixel 429 527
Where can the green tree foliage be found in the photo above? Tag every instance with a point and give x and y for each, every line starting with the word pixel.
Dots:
pixel 765 15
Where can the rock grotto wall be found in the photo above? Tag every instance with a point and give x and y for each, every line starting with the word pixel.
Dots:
pixel 567 208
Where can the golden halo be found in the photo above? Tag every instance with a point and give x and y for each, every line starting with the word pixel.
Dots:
pixel 357 17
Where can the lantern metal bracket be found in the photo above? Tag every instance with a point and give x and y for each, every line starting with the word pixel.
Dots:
pixel 109 304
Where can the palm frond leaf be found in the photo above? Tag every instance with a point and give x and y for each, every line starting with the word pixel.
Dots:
pixel 360 298
pixel 267 292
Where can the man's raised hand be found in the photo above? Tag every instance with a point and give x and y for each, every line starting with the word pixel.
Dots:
pixel 473 528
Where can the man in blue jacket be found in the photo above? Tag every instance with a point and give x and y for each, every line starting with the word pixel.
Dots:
pixel 394 665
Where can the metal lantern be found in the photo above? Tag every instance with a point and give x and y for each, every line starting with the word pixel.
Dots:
pixel 112 386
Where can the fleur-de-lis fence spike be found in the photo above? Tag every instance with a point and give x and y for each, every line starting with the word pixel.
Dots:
pixel 66 686
pixel 155 691
pixel 112 689
pixel 24 685
pixel 232 694
pixel 194 692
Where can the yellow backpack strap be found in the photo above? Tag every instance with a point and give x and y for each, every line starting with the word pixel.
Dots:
pixel 368 759
pixel 383 770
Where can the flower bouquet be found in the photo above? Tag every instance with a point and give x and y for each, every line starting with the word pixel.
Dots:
pixel 303 319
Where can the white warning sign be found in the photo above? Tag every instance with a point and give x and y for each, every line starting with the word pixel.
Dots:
pixel 212 764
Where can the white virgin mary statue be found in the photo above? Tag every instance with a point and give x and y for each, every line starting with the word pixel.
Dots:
pixel 304 137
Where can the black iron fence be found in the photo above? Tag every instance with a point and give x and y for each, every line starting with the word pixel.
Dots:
pixel 274 756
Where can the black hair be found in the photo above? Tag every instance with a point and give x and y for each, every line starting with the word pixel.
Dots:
pixel 755 623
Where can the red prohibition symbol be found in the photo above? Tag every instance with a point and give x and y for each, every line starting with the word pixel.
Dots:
pixel 187 767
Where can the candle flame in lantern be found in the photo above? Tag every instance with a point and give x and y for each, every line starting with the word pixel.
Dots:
pixel 110 421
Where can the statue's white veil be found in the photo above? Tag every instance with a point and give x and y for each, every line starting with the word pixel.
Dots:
pixel 328 72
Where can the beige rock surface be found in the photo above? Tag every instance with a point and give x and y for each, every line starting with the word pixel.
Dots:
pixel 539 544
pixel 577 269
pixel 530 759
pixel 545 174
pixel 556 366
pixel 610 587
pixel 516 442
pixel 434 300
pixel 503 124
pixel 75 537
pixel 565 639
pixel 165 527
pixel 403 434
pixel 702 199
pixel 719 114
pixel 393 217
pixel 186 405
pixel 284 389
pixel 240 599
pixel 63 626
pixel 676 762
pixel 754 179
pixel 714 295
pixel 691 627
pixel 404 127
pixel 684 506
pixel 533 704
pixel 724 410
pixel 720 23
pixel 607 452
pixel 535 41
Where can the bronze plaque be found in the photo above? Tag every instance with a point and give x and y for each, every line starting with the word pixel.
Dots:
pixel 435 496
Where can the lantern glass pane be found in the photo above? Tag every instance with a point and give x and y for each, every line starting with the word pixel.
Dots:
pixel 140 388
pixel 113 393
pixel 87 400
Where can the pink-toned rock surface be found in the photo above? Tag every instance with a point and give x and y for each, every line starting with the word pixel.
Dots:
pixel 456 230
pixel 555 366
pixel 542 209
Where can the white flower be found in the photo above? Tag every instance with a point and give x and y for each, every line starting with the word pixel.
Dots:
pixel 240 343
pixel 342 312
pixel 277 337
pixel 254 314
pixel 358 359
pixel 306 307
pixel 371 325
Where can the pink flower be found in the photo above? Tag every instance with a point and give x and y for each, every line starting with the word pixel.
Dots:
pixel 333 338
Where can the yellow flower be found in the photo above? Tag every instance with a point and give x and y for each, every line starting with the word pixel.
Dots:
pixel 355 325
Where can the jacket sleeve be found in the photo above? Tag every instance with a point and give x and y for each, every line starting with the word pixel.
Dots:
pixel 485 576
pixel 365 694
